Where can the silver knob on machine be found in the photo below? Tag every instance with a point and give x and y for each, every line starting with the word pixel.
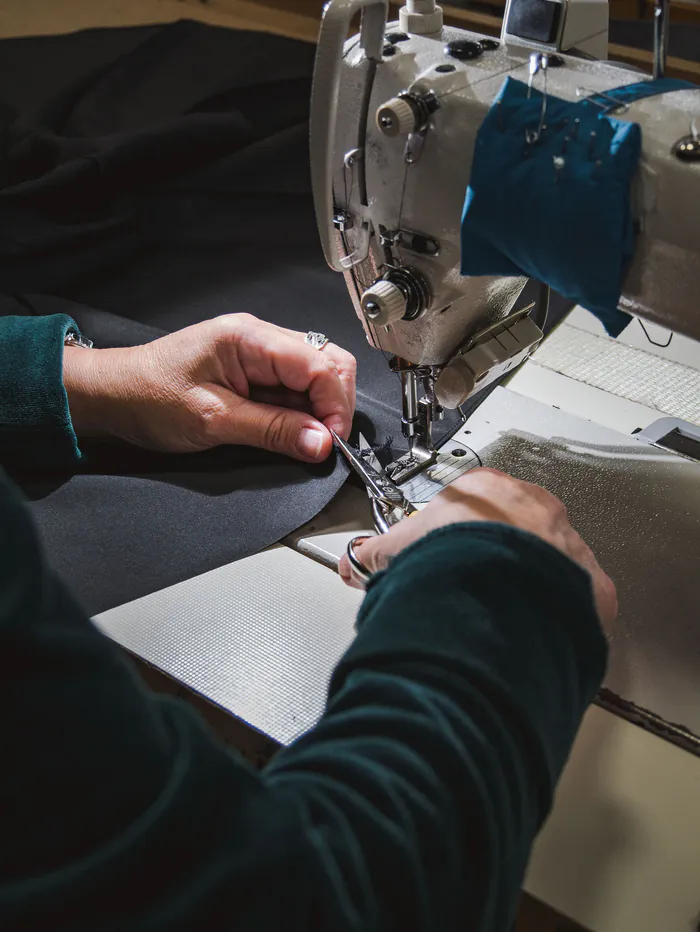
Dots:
pixel 397 117
pixel 383 303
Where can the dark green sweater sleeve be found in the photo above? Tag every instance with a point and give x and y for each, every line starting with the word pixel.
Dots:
pixel 35 424
pixel 412 805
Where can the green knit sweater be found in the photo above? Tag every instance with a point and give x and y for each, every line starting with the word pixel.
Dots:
pixel 411 806
pixel 35 425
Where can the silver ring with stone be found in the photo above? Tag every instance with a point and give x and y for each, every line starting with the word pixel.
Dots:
pixel 317 340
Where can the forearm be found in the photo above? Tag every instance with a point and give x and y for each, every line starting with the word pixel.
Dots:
pixel 411 805
pixel 102 390
pixel 450 720
pixel 77 377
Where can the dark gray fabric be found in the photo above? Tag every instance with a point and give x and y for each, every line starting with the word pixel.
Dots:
pixel 116 150
pixel 151 178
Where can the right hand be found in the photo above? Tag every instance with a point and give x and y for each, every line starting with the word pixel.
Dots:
pixel 490 495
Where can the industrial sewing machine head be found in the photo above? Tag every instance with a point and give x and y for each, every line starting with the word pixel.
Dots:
pixel 395 116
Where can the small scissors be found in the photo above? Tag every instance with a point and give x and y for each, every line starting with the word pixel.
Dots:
pixel 389 504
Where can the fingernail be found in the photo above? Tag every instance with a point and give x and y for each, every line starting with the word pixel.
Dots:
pixel 310 442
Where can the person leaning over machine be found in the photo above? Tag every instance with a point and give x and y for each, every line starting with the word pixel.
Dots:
pixel 413 803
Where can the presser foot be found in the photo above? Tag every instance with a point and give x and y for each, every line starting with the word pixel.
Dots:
pixel 410 464
pixel 417 420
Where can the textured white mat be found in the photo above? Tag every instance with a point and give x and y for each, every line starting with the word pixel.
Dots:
pixel 666 386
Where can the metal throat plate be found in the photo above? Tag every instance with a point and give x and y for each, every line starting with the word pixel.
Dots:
pixel 638 507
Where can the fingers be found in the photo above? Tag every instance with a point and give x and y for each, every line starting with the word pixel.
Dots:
pixel 345 362
pixel 277 429
pixel 345 570
pixel 606 599
pixel 604 590
pixel 282 398
pixel 534 509
pixel 472 497
pixel 268 356
pixel 376 553
pixel 489 495
pixel 346 574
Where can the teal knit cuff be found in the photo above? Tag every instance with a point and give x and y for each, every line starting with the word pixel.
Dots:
pixel 36 431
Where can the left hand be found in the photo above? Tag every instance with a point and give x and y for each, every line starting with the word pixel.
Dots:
pixel 230 380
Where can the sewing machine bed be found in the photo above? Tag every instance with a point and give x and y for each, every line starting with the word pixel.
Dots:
pixel 265 652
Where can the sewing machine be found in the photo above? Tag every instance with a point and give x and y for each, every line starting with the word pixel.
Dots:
pixel 391 165
pixel 395 113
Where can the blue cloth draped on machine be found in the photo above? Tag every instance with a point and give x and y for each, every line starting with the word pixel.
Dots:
pixel 550 193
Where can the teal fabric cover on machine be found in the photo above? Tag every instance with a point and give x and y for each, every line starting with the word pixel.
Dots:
pixel 554 202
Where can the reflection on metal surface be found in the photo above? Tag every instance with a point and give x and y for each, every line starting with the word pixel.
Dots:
pixel 670 433
pixel 450 464
pixel 682 443
pixel 638 507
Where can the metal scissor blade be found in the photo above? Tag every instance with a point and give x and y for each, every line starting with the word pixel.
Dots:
pixel 378 484
pixel 368 454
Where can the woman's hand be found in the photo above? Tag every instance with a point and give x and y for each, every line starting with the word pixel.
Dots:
pixel 230 380
pixel 490 495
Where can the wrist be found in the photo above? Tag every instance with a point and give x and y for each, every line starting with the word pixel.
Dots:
pixel 97 384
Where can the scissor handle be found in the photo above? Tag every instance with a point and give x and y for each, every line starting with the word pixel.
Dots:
pixel 358 567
